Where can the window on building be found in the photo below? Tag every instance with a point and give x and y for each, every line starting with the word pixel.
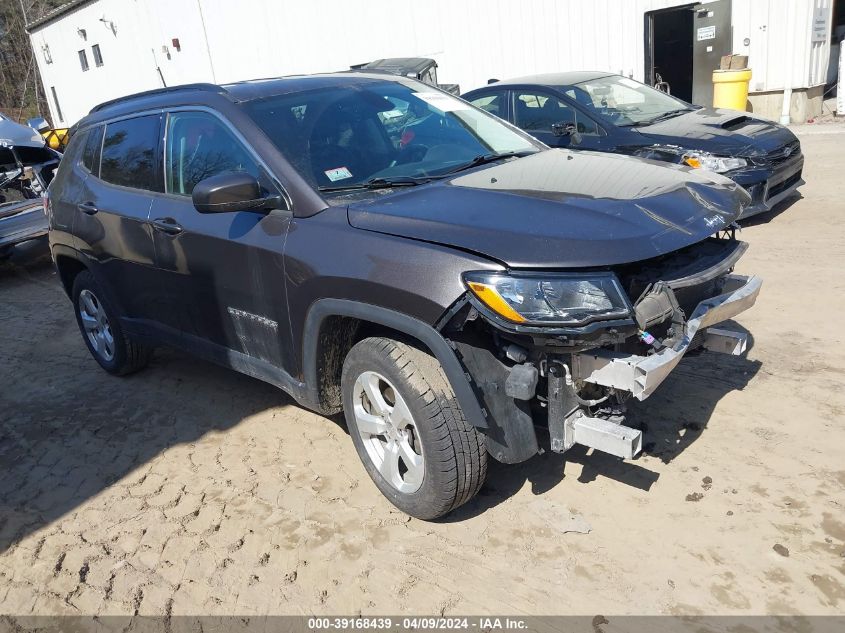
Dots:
pixel 98 56
pixel 45 50
pixel 56 101
pixel 129 153
pixel 200 146
pixel 83 60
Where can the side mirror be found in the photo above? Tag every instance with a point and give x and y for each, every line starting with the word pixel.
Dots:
pixel 232 191
pixel 567 129
pixel 39 124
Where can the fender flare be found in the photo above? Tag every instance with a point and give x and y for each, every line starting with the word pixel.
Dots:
pixel 431 338
pixel 68 252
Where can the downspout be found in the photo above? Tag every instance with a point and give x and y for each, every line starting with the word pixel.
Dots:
pixel 785 119
pixel 207 46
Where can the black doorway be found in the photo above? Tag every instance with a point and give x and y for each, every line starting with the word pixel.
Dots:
pixel 669 49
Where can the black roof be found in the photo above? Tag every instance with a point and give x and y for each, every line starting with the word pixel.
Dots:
pixel 556 79
pixel 399 65
pixel 201 93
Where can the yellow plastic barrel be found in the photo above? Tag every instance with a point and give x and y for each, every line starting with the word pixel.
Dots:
pixel 730 88
pixel 57 139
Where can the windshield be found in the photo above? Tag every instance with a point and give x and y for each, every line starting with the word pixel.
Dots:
pixel 377 130
pixel 625 102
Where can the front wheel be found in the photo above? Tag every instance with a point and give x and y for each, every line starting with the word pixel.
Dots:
pixel 409 429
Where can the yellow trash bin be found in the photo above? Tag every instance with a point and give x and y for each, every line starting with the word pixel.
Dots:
pixel 730 88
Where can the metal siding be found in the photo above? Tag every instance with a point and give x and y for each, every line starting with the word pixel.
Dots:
pixel 472 40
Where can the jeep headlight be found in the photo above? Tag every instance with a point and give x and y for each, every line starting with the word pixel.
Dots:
pixel 550 299
pixel 719 164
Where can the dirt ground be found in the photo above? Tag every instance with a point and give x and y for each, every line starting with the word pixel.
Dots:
pixel 189 489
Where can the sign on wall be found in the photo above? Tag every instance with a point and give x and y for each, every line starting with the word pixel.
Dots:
pixel 706 33
pixel 819 26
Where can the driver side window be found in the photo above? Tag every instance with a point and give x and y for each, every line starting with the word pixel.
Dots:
pixel 198 146
pixel 537 112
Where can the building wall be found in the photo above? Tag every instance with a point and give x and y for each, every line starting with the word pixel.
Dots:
pixel 472 41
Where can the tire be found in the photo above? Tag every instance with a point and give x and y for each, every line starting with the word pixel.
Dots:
pixel 121 356
pixel 449 461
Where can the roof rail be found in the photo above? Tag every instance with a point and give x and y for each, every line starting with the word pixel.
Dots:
pixel 201 87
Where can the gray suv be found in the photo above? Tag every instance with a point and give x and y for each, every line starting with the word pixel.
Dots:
pixel 373 245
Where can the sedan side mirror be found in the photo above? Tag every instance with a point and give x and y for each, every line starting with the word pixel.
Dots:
pixel 567 129
pixel 232 191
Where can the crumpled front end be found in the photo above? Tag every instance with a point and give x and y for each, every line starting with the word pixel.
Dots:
pixel 578 380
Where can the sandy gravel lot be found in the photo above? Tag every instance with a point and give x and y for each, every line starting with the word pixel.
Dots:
pixel 189 489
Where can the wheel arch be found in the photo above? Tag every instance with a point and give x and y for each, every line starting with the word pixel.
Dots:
pixel 332 326
pixel 69 263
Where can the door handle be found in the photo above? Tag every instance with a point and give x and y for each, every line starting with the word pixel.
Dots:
pixel 88 208
pixel 167 225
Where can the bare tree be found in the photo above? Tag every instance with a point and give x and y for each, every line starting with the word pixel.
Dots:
pixel 21 95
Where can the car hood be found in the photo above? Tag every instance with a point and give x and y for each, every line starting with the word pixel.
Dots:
pixel 561 209
pixel 722 132
pixel 15 134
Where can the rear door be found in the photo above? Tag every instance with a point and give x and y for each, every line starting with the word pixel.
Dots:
pixel 221 273
pixel 112 226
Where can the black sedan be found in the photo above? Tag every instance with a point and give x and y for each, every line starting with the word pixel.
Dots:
pixel 610 113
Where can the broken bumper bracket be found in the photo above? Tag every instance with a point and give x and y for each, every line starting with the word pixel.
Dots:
pixel 641 375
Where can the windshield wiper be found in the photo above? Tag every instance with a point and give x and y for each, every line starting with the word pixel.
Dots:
pixel 663 117
pixel 483 159
pixel 380 183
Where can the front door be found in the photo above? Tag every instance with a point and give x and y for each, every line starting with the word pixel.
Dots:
pixel 221 273
pixel 537 111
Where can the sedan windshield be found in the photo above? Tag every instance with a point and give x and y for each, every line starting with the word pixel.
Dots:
pixel 625 102
pixel 377 133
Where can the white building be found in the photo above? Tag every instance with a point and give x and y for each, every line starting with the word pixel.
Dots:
pixel 89 51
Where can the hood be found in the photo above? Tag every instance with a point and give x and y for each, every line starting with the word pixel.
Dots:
pixel 722 132
pixel 561 209
pixel 16 135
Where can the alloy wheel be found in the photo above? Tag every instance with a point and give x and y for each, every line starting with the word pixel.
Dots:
pixel 96 325
pixel 388 432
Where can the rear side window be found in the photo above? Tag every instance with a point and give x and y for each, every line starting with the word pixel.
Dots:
pixel 492 102
pixel 129 153
pixel 91 151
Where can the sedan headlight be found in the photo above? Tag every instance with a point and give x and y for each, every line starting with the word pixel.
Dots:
pixel 719 164
pixel 550 299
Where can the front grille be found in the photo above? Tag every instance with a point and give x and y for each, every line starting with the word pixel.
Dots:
pixel 783 154
pixel 702 264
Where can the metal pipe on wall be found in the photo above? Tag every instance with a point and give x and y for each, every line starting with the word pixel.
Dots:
pixel 790 56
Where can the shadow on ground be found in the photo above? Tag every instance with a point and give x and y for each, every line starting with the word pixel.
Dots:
pixel 68 430
pixel 672 419
pixel 768 216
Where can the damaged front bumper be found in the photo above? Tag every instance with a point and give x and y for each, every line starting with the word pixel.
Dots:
pixel 580 390
pixel 641 375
